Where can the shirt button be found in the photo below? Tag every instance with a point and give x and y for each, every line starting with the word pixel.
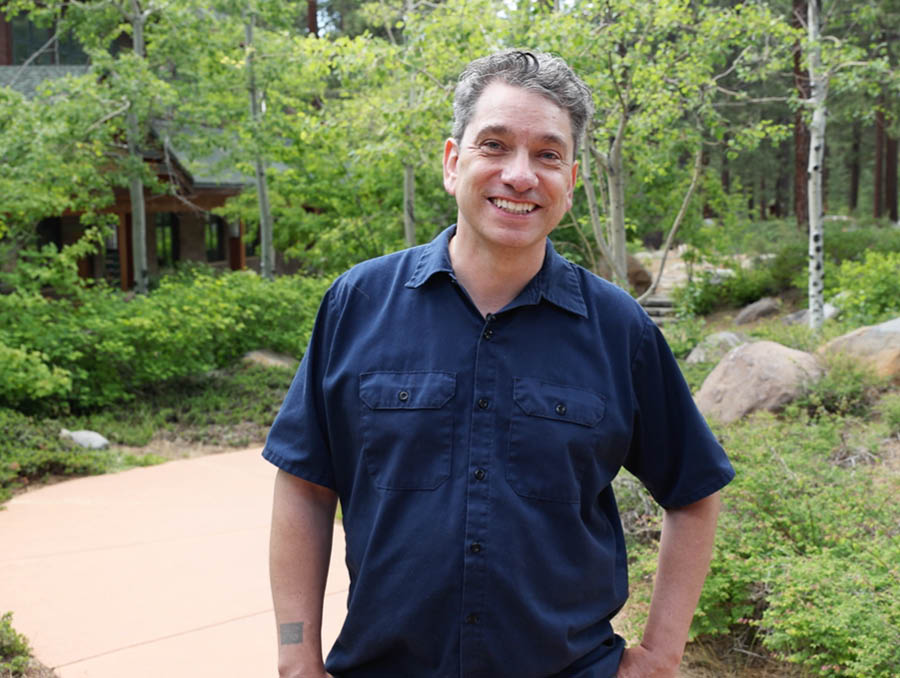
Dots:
pixel 488 334
pixel 483 403
pixel 472 619
pixel 560 409
pixel 480 474
pixel 475 548
pixel 403 396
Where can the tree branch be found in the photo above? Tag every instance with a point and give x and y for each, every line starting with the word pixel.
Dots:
pixel 695 179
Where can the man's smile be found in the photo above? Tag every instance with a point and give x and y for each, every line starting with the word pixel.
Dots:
pixel 513 207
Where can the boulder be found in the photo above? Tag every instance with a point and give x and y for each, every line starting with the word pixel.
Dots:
pixel 714 347
pixel 268 358
pixel 877 346
pixel 758 309
pixel 802 317
pixel 638 276
pixel 89 439
pixel 762 375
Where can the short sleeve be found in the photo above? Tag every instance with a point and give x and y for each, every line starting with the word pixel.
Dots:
pixel 673 451
pixel 298 441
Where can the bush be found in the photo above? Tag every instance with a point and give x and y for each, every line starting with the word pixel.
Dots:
pixel 14 649
pixel 870 288
pixel 847 388
pixel 110 347
pixel 28 378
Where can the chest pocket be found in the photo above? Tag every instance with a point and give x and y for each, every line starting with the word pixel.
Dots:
pixel 407 428
pixel 554 435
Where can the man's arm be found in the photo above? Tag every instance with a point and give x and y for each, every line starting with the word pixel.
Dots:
pixel 299 553
pixel 684 554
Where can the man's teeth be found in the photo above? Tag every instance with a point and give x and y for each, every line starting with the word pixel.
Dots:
pixel 516 207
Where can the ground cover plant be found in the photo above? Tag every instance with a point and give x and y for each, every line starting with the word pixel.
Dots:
pixel 14 650
pixel 805 565
pixel 232 407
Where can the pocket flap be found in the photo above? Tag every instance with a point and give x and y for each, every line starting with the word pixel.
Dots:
pixel 406 390
pixel 552 401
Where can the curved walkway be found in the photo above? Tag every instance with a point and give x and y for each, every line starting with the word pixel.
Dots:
pixel 158 571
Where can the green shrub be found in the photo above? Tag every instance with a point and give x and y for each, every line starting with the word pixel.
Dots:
pixel 890 412
pixel 14 649
pixel 112 346
pixel 712 290
pixel 870 288
pixel 28 378
pixel 847 388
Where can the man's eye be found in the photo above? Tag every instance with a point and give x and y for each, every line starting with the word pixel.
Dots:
pixel 550 156
pixel 491 145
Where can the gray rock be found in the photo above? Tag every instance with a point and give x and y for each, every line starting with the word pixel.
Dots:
pixel 714 347
pixel 758 309
pixel 877 346
pixel 268 358
pixel 762 375
pixel 802 317
pixel 89 439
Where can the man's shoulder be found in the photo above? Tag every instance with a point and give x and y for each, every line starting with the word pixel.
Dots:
pixel 379 274
pixel 606 299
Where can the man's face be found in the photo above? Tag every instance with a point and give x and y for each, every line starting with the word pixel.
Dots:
pixel 513 172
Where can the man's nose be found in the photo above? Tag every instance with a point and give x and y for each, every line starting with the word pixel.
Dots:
pixel 519 173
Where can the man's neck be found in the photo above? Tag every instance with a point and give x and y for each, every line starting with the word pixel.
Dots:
pixel 492 278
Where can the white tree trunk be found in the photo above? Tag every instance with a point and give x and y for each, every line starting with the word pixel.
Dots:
pixel 819 87
pixel 615 174
pixel 267 248
pixel 409 195
pixel 136 184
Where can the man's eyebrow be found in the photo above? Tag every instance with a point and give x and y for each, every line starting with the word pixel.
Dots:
pixel 503 130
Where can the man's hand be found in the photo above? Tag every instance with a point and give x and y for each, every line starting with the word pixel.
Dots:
pixel 640 662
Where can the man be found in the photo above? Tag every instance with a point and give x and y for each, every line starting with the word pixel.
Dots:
pixel 470 401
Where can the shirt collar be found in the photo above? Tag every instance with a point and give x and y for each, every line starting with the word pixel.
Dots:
pixel 557 281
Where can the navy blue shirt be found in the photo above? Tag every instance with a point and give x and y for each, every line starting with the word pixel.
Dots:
pixel 473 458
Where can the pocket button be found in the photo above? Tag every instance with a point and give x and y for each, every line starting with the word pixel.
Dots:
pixel 561 409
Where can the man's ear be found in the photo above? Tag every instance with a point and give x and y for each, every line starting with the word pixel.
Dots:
pixel 571 192
pixel 451 158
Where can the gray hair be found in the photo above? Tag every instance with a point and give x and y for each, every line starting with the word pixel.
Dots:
pixel 538 72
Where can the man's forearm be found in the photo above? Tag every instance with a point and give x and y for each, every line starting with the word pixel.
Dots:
pixel 684 555
pixel 299 553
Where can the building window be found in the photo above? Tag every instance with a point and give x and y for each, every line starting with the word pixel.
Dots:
pixel 166 239
pixel 215 238
pixel 28 39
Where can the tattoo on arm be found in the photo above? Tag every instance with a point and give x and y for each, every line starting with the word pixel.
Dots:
pixel 291 634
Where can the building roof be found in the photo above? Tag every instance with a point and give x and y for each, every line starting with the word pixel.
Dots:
pixel 26 79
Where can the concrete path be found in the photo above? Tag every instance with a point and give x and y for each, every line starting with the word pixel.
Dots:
pixel 158 571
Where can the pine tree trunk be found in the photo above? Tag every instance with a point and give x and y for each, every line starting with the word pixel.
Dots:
pixel 878 170
pixel 853 198
pixel 312 17
pixel 819 90
pixel 890 178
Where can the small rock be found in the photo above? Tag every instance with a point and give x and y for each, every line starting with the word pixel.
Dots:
pixel 89 439
pixel 765 307
pixel 268 358
pixel 714 347
pixel 763 375
pixel 802 317
pixel 877 346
